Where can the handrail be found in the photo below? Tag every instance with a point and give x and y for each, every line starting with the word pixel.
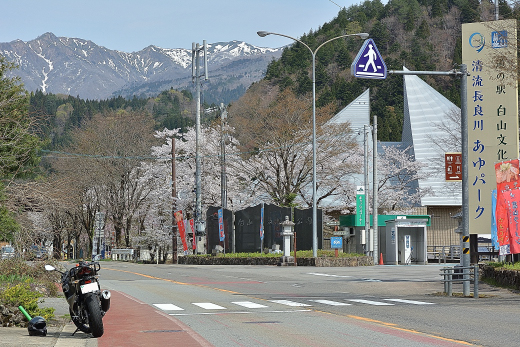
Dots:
pixel 448 273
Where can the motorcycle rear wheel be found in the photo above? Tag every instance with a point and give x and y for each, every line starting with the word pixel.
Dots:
pixel 95 320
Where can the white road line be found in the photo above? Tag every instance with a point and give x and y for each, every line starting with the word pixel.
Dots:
pixel 413 302
pixel 326 275
pixel 370 302
pixel 168 307
pixel 289 303
pixel 248 304
pixel 332 303
pixel 208 306
pixel 228 313
pixel 208 313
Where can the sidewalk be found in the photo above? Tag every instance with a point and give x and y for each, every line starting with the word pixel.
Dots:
pixel 57 336
pixel 129 322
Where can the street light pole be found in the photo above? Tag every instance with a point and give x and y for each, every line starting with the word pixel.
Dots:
pixel 314 199
pixel 195 53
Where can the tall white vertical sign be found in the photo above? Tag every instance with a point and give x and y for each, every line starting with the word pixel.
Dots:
pixel 489 51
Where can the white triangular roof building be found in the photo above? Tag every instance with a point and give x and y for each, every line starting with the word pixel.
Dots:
pixel 425 113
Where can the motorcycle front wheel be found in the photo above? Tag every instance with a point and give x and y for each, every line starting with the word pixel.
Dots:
pixel 95 321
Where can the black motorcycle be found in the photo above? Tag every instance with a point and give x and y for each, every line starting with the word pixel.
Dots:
pixel 87 303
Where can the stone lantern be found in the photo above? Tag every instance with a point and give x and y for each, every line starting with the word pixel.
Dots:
pixel 287 233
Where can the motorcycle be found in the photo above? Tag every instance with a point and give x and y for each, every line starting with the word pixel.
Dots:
pixel 87 303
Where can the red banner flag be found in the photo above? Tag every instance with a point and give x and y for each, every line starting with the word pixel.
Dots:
pixel 512 199
pixel 182 231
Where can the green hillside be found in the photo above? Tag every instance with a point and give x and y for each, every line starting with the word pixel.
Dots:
pixel 422 35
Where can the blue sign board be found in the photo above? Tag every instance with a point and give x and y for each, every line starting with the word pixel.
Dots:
pixel 368 62
pixel 336 242
pixel 262 223
pixel 221 234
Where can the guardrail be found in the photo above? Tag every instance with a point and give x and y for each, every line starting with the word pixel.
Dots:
pixel 456 274
pixel 443 253
pixel 125 254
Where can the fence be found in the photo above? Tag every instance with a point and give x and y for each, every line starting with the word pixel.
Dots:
pixel 125 254
pixel 456 275
pixel 444 253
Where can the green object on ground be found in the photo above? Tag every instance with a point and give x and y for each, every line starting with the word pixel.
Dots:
pixel 24 312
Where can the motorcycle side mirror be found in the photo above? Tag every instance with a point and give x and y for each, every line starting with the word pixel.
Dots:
pixel 49 268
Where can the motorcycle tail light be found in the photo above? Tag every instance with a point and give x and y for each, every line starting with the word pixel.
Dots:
pixel 87 281
pixel 85 271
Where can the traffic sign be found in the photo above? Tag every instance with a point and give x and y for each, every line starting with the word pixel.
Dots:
pixel 368 62
pixel 336 242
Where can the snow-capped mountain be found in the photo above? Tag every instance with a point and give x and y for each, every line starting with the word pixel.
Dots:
pixel 80 67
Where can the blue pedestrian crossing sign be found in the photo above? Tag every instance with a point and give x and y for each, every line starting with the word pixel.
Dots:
pixel 368 62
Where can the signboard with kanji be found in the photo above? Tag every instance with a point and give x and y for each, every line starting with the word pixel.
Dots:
pixel 489 50
pixel 453 166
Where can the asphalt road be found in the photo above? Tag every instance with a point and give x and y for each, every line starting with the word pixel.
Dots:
pixel 310 306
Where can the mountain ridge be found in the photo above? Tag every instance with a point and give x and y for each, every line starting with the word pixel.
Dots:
pixel 80 67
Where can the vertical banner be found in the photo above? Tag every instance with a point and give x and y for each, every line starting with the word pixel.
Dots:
pixel 192 228
pixel 262 223
pixel 221 233
pixel 489 50
pixel 182 231
pixel 185 242
pixel 360 206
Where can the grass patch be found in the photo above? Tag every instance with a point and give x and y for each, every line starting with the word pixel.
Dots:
pixel 504 265
pixel 15 278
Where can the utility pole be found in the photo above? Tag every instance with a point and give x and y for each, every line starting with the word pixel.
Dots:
pixel 374 192
pixel 195 55
pixel 174 206
pixel 223 136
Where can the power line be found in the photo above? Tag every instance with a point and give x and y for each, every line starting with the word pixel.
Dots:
pixel 335 4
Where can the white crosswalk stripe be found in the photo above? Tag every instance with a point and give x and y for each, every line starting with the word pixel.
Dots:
pixel 209 306
pixel 332 303
pixel 290 303
pixel 249 304
pixel 413 302
pixel 370 302
pixel 168 307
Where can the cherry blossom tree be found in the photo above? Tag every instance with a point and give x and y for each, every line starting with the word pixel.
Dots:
pixel 275 132
pixel 398 174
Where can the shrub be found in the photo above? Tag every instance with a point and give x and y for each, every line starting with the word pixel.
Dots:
pixel 21 294
pixel 16 270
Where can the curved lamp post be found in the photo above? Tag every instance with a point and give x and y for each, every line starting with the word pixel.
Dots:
pixel 314 204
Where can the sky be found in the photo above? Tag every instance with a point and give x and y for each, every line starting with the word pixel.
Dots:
pixel 131 25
